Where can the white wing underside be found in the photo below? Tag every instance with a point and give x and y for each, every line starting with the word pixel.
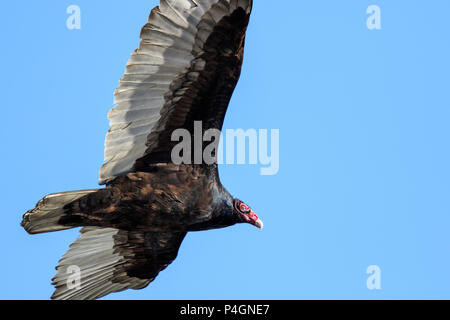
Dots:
pixel 171 43
pixel 88 270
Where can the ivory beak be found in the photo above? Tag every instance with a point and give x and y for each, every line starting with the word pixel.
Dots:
pixel 259 224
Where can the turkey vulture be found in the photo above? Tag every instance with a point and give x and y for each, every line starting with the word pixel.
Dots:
pixel 185 70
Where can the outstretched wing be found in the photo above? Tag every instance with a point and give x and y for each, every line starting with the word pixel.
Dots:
pixel 186 69
pixel 107 260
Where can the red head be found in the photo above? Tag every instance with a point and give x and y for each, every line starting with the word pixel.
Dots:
pixel 246 214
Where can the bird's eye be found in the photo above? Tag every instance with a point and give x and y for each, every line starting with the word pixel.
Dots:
pixel 244 208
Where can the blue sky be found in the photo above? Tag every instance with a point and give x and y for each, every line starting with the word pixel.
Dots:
pixel 364 160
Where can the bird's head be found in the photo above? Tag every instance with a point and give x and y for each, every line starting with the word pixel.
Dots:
pixel 246 214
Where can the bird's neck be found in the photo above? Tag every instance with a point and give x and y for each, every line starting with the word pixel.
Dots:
pixel 221 214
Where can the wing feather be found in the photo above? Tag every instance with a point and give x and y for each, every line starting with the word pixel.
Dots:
pixel 167 58
pixel 109 260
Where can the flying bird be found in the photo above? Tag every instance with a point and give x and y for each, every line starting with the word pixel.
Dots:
pixel 185 70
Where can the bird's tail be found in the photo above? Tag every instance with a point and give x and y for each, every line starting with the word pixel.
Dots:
pixel 45 217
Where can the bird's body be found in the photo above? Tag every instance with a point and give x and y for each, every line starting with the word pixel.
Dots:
pixel 169 198
pixel 184 71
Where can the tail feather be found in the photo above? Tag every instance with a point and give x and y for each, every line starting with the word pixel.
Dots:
pixel 46 215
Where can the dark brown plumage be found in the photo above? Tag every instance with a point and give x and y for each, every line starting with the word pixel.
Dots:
pixel 168 198
pixel 185 70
